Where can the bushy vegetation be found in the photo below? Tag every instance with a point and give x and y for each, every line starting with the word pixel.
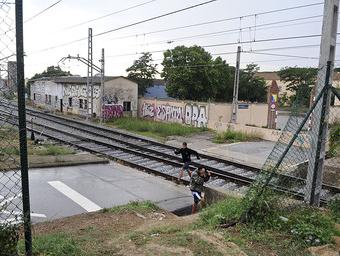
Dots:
pixel 53 244
pixel 8 239
pixel 231 136
pixel 304 225
pixel 153 128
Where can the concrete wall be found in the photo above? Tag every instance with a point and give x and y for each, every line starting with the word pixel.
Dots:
pixel 122 90
pixel 116 92
pixel 53 91
pixel 201 114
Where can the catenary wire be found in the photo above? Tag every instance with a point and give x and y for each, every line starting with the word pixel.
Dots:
pixel 180 10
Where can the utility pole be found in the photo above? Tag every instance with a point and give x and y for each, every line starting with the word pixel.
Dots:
pixel 320 117
pixel 236 86
pixel 102 82
pixel 89 74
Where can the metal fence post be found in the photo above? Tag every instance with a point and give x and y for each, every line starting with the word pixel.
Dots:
pixel 22 125
pixel 314 197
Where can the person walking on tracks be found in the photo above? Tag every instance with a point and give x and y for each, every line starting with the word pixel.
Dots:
pixel 197 179
pixel 186 158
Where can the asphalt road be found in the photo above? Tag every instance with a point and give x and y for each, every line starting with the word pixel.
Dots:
pixel 67 191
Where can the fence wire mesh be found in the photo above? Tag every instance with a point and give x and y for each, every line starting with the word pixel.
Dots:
pixel 289 167
pixel 10 177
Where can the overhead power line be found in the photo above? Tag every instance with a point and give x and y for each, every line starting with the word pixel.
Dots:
pixel 41 12
pixel 215 21
pixel 239 30
pixel 155 18
pixel 34 16
pixel 109 14
pixel 230 43
pixel 177 11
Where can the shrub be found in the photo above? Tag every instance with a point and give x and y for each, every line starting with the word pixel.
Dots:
pixel 8 239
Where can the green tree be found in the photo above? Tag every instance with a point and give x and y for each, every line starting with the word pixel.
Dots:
pixel 192 74
pixel 143 72
pixel 50 71
pixel 300 82
pixel 252 88
pixel 186 72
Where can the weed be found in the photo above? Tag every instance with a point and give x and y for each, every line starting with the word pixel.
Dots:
pixel 134 206
pixel 311 225
pixel 138 238
pixel 153 128
pixel 230 136
pixel 334 206
pixel 53 244
pixel 217 214
pixel 50 150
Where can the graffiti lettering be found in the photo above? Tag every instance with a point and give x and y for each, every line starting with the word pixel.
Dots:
pixel 169 113
pixel 148 110
pixel 196 115
pixel 112 111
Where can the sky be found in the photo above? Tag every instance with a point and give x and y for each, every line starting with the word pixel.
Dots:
pixel 56 26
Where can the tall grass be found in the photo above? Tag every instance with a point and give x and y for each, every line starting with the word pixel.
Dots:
pixel 154 128
pixel 230 136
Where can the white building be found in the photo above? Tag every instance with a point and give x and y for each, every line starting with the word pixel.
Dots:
pixel 68 95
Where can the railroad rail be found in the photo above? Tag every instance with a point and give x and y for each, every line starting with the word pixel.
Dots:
pixel 147 154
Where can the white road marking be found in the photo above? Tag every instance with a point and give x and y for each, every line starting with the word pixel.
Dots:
pixel 79 199
pixel 38 215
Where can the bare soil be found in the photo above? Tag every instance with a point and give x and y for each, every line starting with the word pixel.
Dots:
pixel 132 233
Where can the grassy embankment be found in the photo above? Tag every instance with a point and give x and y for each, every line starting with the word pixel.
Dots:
pixel 143 229
pixel 154 129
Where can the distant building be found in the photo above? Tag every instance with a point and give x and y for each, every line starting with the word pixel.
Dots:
pixel 157 90
pixel 68 95
pixel 273 76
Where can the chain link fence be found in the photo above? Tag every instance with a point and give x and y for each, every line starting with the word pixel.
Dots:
pixel 288 172
pixel 11 204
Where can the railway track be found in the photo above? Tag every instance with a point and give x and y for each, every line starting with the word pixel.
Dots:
pixel 149 155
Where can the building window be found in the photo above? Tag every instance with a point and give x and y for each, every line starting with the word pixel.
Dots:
pixel 126 106
pixel 49 99
pixel 82 104
pixel 46 98
pixel 70 102
pixel 34 96
pixel 56 99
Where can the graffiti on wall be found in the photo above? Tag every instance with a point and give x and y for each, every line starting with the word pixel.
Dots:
pixel 191 114
pixel 80 91
pixel 112 111
pixel 169 113
pixel 196 115
pixel 148 110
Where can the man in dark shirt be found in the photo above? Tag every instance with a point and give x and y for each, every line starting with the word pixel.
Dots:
pixel 186 157
pixel 197 180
